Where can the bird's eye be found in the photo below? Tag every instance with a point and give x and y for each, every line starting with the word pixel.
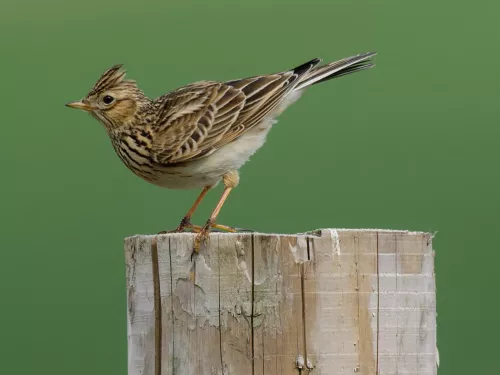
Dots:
pixel 108 99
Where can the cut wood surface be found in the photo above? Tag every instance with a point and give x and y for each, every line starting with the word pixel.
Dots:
pixel 333 301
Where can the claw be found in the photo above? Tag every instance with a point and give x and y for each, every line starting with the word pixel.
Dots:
pixel 223 228
pixel 184 224
pixel 203 236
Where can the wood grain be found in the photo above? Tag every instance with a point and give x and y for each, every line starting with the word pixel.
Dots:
pixel 340 301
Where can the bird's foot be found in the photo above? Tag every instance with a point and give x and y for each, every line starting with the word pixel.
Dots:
pixel 204 234
pixel 183 225
pixel 202 237
pixel 186 224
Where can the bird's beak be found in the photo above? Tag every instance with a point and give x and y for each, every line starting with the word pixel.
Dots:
pixel 79 105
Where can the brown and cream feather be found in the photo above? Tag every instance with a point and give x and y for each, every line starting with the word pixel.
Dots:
pixel 200 118
pixel 194 135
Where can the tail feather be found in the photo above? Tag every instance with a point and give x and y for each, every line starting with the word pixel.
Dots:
pixel 312 74
pixel 306 67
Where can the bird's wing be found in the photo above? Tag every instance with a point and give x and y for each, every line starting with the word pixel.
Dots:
pixel 200 118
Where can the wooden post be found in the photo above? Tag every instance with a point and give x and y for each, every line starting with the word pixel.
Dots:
pixel 327 302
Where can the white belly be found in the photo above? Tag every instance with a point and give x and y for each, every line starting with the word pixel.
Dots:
pixel 209 170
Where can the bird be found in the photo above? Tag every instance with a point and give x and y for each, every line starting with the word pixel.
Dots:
pixel 200 134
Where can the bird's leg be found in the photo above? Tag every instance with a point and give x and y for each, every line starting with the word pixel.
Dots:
pixel 186 221
pixel 205 231
pixel 230 181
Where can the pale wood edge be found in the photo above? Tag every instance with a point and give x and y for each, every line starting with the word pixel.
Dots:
pixel 315 232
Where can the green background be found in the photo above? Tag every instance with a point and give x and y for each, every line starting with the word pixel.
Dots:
pixel 411 144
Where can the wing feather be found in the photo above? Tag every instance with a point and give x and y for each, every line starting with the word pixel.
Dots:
pixel 200 118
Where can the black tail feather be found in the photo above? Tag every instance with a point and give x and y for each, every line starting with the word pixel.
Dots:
pixel 301 69
pixel 333 70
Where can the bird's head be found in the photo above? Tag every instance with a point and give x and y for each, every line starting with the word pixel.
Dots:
pixel 113 100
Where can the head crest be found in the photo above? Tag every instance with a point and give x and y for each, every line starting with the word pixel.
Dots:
pixel 109 79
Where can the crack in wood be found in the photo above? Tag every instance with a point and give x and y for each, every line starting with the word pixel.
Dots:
pixel 253 303
pixel 308 248
pixel 131 280
pixel 356 264
pixel 220 319
pixel 332 323
pixel 172 305
pixel 396 269
pixel 156 304
pixel 303 297
pixel 378 307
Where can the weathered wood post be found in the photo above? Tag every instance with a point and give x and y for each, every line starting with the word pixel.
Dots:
pixel 329 302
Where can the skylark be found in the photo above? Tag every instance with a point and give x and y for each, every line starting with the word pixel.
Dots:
pixel 201 133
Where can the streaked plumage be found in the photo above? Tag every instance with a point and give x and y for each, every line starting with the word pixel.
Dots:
pixel 201 133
